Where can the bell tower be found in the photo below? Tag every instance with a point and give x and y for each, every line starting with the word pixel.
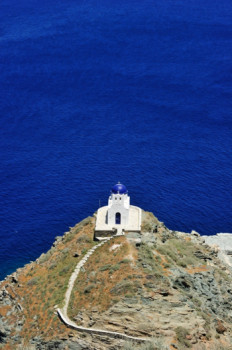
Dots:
pixel 118 206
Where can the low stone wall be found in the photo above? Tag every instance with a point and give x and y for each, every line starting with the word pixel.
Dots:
pixel 107 234
pixel 102 234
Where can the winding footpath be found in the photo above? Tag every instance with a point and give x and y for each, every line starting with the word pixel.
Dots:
pixel 63 313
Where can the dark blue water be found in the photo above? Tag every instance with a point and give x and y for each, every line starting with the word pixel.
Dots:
pixel 93 92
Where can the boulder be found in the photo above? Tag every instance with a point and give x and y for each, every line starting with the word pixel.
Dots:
pixel 195 233
pixel 220 328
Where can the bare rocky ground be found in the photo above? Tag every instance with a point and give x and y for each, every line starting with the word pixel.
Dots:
pixel 168 286
pixel 222 242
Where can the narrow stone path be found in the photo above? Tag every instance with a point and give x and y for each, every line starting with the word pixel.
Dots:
pixel 76 273
pixel 63 313
pixel 111 334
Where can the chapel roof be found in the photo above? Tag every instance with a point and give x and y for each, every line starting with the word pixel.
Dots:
pixel 119 188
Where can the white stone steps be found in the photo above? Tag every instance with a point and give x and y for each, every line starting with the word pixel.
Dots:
pixel 76 272
pixel 63 313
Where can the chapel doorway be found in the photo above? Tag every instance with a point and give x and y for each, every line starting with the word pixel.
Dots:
pixel 118 218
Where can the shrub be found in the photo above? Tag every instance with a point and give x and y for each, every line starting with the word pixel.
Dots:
pixel 147 252
pixel 158 258
pixel 197 302
pixel 89 288
pixel 181 334
pixel 159 344
pixel 33 281
pixel 65 250
pixel 114 268
pixel 85 222
pixel 64 271
pixel 129 345
pixel 68 237
pixel 83 239
pixel 181 263
pixel 167 265
pixel 147 227
pixel 146 346
pixel 52 266
pixel 122 287
pixel 105 267
pixel 148 260
pixel 125 261
pixel 44 257
pixel 179 251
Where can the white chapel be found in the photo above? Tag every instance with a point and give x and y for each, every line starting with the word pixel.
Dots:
pixel 118 216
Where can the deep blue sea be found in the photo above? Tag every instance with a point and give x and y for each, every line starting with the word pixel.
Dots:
pixel 93 92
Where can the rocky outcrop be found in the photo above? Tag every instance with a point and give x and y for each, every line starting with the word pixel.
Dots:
pixel 166 286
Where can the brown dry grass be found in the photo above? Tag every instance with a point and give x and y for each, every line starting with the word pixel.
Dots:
pixel 43 285
pixel 4 310
pixel 105 270
pixel 110 275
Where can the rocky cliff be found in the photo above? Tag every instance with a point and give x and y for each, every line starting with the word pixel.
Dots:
pixel 167 288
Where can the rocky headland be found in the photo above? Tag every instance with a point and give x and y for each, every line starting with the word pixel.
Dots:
pixel 158 289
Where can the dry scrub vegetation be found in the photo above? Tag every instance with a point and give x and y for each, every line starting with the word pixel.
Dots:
pixel 106 278
pixel 42 285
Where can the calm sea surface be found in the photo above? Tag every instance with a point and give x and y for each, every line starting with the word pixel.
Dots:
pixel 95 92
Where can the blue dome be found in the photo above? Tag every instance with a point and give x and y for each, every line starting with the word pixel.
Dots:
pixel 119 188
